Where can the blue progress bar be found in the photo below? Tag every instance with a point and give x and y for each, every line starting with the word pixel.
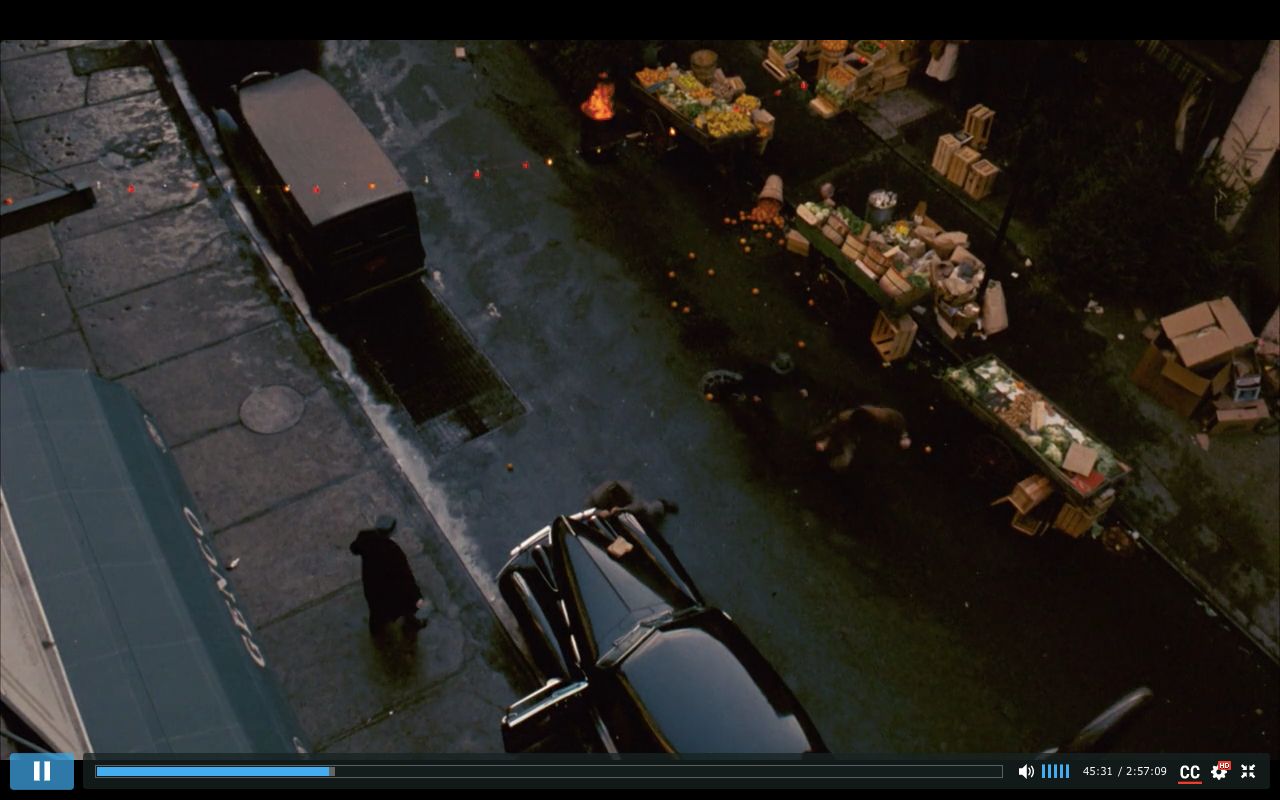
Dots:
pixel 213 771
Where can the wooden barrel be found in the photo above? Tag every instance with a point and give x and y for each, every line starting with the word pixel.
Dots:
pixel 704 65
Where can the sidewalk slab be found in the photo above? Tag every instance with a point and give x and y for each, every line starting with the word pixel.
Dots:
pixel 112 84
pixel 33 305
pixel 299 553
pixel 431 724
pixel 127 257
pixel 202 391
pixel 169 319
pixel 342 684
pixel 65 351
pixel 236 473
pixel 164 178
pixel 26 249
pixel 18 48
pixel 130 126
pixel 43 85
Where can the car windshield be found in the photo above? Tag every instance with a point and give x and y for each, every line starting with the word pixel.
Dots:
pixel 631 639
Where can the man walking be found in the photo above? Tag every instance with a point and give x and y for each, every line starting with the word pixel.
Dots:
pixel 389 586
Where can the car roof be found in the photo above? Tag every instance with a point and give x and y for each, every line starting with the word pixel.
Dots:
pixel 313 138
pixel 706 689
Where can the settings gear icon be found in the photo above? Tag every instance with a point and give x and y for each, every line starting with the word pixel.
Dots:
pixel 1218 773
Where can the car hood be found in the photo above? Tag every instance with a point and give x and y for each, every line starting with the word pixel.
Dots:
pixel 706 689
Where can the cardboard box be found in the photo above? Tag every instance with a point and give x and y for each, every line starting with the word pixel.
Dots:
pixel 1207 333
pixel 1028 493
pixel 797 243
pixel 1240 419
pixel 1080 459
pixel 1159 373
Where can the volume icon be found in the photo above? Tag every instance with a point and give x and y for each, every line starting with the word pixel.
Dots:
pixel 1026 771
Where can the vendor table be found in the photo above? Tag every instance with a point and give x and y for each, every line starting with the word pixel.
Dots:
pixel 1003 400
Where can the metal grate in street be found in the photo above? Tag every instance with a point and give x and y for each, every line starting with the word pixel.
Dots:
pixel 412 349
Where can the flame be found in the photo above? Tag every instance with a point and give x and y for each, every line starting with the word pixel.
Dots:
pixel 599 105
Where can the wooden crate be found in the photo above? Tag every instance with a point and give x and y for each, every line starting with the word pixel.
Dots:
pixel 895 77
pixel 978 123
pixel 960 163
pixel 779 73
pixel 1029 524
pixel 854 248
pixel 841 76
pixel 981 179
pixel 1028 493
pixel 1074 521
pixel 944 152
pixel 892 338
pixel 823 108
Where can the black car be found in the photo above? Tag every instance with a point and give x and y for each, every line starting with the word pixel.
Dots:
pixel 632 659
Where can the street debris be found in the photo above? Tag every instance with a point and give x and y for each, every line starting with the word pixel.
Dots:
pixel 1202 439
pixel 235 562
pixel 492 311
pixel 511 467
pixel 460 53
pixel 1093 307
pixel 1120 336
pixel 1139 315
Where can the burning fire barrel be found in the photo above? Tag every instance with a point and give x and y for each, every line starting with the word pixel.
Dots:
pixel 600 133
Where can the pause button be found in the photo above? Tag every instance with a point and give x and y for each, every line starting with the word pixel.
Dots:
pixel 36 771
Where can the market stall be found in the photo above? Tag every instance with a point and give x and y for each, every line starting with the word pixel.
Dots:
pixel 1067 457
pixel 711 110
pixel 879 266
pixel 847 71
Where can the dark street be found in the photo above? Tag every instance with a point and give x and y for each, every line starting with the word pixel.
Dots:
pixel 901 609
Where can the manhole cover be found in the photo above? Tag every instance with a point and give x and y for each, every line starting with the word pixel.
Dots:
pixel 271 409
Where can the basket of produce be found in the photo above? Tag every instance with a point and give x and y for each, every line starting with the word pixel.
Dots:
pixel 724 123
pixel 653 80
pixel 870 49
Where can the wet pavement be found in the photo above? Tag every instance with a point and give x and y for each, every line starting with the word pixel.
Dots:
pixel 159 287
pixel 901 609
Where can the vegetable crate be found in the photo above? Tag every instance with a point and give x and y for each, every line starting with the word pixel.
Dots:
pixel 981 179
pixel 892 337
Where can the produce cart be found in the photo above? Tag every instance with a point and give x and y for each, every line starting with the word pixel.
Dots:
pixel 1065 455
pixel 727 127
